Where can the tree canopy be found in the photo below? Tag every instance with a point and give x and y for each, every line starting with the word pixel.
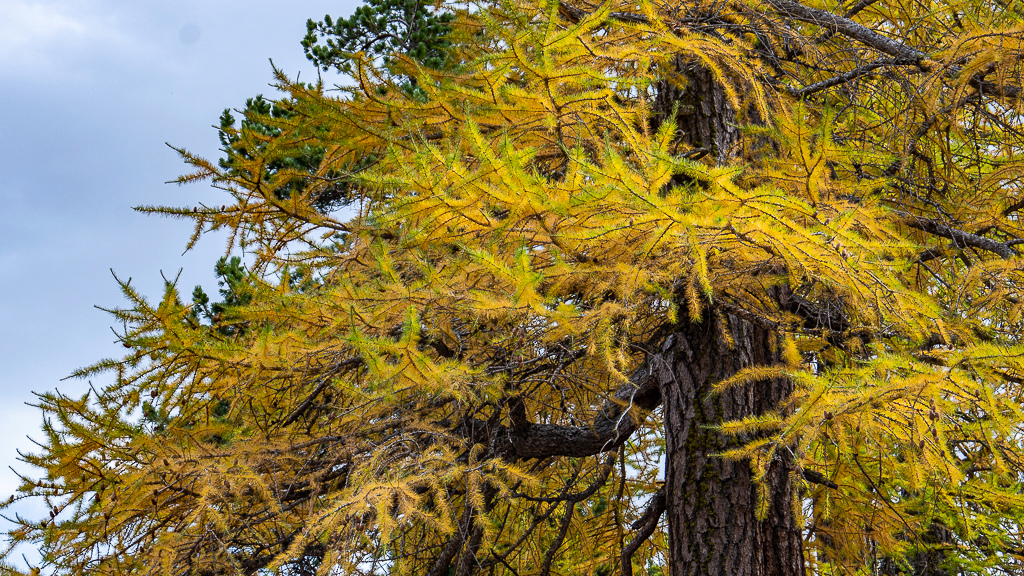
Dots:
pixel 559 288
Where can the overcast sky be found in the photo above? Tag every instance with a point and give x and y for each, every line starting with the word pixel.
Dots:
pixel 90 91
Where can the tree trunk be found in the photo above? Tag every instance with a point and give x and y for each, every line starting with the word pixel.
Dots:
pixel 704 117
pixel 711 502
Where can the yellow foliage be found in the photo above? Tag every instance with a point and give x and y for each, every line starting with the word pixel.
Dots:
pixel 522 231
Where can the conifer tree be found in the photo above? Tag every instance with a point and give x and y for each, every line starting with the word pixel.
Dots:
pixel 768 247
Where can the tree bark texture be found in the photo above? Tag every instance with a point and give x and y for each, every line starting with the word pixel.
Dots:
pixel 711 502
pixel 705 119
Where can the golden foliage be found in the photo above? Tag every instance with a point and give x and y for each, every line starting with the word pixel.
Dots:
pixel 525 225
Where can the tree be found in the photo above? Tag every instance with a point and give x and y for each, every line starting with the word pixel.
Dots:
pixel 771 246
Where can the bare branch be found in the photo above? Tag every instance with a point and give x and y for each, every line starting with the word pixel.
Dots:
pixel 858 7
pixel 844 78
pixel 816 477
pixel 646 525
pixel 545 568
pixel 903 53
pixel 960 237
pixel 619 419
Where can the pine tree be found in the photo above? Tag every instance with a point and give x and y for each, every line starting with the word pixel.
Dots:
pixel 770 247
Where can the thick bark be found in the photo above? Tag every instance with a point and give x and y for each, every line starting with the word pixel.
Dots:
pixel 704 117
pixel 712 502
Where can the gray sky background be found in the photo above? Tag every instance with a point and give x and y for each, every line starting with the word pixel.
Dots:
pixel 90 90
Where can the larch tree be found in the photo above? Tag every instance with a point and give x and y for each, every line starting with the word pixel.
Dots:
pixel 698 288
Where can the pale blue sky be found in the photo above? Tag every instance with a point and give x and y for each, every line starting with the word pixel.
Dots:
pixel 90 90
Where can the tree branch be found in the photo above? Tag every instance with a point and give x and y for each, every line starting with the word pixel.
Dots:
pixel 443 562
pixel 545 567
pixel 646 525
pixel 844 78
pixel 960 237
pixel 903 53
pixel 835 24
pixel 325 380
pixel 574 14
pixel 816 477
pixel 858 7
pixel 849 14
pixel 617 421
pixel 830 316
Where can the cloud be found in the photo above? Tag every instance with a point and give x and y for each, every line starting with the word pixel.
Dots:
pixel 41 36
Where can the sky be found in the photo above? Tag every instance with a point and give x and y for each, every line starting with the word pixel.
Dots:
pixel 91 93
